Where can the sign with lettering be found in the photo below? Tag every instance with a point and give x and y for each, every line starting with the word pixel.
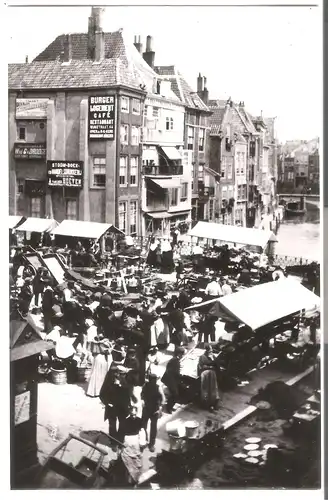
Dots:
pixel 31 109
pixel 65 173
pixel 102 117
pixel 22 407
pixel 29 151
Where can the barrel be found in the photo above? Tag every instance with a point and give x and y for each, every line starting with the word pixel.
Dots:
pixel 84 373
pixel 58 377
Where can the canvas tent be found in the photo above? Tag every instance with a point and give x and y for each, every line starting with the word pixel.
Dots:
pixel 15 221
pixel 38 225
pixel 84 229
pixel 263 304
pixel 233 234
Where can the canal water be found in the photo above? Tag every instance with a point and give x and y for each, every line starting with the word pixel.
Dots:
pixel 300 236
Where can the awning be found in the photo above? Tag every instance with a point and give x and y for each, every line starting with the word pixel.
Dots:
pixel 36 225
pixel 263 304
pixel 166 215
pixel 84 229
pixel 15 220
pixel 171 152
pixel 166 183
pixel 233 234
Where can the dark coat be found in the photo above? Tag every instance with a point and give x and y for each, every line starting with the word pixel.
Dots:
pixel 48 300
pixel 172 373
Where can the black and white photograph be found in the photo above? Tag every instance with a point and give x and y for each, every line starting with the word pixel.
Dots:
pixel 164 167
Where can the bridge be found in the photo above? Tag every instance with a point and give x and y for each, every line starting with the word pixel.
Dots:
pixel 310 199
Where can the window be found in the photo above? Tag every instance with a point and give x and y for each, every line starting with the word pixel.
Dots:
pixel 22 133
pixel 135 136
pixel 211 209
pixel 155 112
pixel 229 170
pixel 99 172
pixel 124 134
pixel 133 217
pixel 169 123
pixel 290 176
pixel 241 194
pixel 191 133
pixel 228 144
pixel 242 163
pixel 136 106
pixel 71 209
pixel 201 139
pixel 252 149
pixel 20 186
pixel 223 168
pixel 124 104
pixel 36 207
pixel 122 216
pixel 201 172
pixel 184 191
pixel 123 165
pixel 134 171
pixel 174 197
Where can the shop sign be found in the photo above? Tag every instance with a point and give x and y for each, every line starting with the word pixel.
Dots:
pixel 31 109
pixel 22 407
pixel 30 151
pixel 101 117
pixel 65 173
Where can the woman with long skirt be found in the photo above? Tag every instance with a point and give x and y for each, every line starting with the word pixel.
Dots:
pixel 102 360
pixel 209 392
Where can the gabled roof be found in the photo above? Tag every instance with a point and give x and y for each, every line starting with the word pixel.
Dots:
pixel 181 88
pixel 123 65
pixel 247 120
pixel 218 108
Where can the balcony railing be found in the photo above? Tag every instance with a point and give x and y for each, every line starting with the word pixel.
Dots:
pixel 206 192
pixel 162 170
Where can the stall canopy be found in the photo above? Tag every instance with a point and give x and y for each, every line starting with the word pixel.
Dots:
pixel 263 304
pixel 37 225
pixel 15 221
pixel 233 234
pixel 165 215
pixel 171 152
pixel 166 183
pixel 84 229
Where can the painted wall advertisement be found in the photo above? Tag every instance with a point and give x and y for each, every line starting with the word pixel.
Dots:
pixel 101 119
pixel 65 173
pixel 29 151
pixel 31 109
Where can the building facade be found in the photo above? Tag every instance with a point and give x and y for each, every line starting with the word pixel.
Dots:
pixel 84 139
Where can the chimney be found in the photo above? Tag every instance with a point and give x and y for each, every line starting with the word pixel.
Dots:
pixel 94 25
pixel 149 54
pixel 138 44
pixel 201 88
pixel 67 53
pixel 199 83
pixel 26 59
pixel 100 46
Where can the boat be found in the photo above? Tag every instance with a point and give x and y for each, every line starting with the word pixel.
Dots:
pixel 294 208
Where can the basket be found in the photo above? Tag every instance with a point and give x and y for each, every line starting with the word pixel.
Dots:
pixel 58 377
pixel 84 373
pixel 191 429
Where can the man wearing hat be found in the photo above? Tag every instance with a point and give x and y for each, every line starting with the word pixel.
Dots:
pixel 171 378
pixel 26 295
pixel 153 397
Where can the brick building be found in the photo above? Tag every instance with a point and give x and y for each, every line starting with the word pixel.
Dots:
pixel 84 139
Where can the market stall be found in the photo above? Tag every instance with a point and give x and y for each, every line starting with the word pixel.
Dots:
pixel 37 231
pixel 257 239
pixel 263 304
pixel 15 221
